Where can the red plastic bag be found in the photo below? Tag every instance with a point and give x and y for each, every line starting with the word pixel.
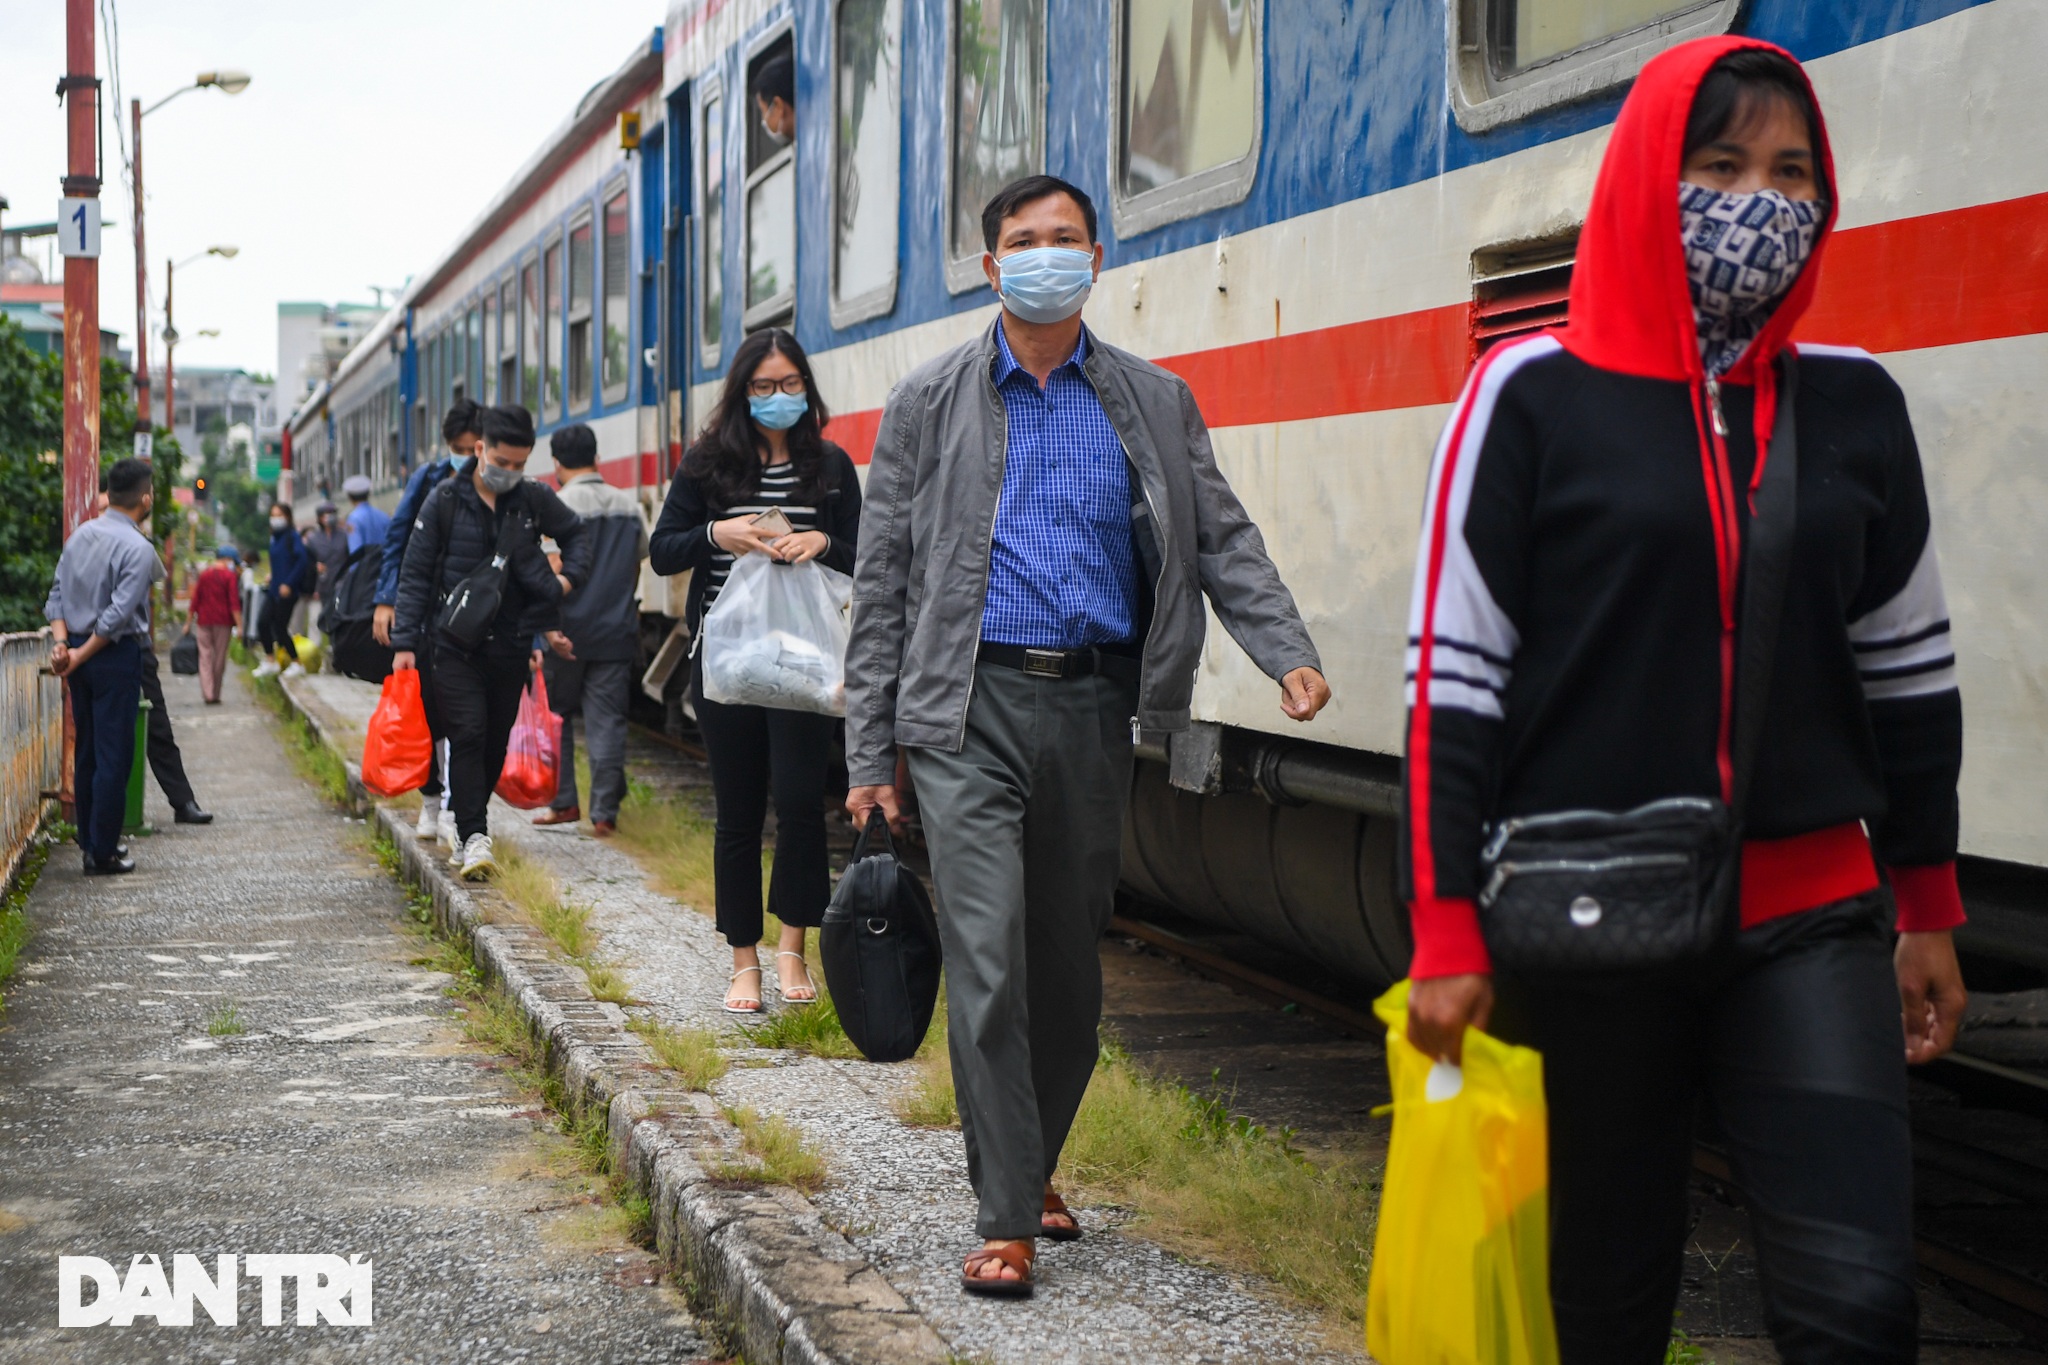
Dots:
pixel 398 750
pixel 533 754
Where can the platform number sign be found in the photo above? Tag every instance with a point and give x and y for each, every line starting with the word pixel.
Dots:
pixel 78 227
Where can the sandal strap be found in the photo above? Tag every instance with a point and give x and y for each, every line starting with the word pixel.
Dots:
pixel 1055 1204
pixel 1016 1255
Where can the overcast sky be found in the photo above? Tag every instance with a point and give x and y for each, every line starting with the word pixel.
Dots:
pixel 374 132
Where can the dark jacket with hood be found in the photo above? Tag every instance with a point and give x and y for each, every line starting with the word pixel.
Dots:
pixel 455 532
pixel 1574 617
pixel 290 565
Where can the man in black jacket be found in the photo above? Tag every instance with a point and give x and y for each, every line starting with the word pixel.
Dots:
pixel 476 690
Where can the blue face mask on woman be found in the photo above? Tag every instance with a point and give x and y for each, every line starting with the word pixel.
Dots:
pixel 1047 283
pixel 778 411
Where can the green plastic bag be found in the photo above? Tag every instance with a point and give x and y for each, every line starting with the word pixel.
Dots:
pixel 1461 1261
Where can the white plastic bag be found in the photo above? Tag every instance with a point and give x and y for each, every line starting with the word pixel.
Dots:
pixel 776 636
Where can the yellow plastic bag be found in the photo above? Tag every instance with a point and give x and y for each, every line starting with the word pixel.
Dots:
pixel 1461 1262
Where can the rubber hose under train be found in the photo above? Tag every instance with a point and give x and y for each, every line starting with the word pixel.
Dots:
pixel 1312 879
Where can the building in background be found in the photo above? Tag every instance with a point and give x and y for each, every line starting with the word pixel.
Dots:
pixel 226 403
pixel 312 338
pixel 32 290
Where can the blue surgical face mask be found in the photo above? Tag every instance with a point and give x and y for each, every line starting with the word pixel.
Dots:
pixel 1047 283
pixel 779 410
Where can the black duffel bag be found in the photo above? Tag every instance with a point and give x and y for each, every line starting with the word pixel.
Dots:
pixel 352 648
pixel 185 654
pixel 880 945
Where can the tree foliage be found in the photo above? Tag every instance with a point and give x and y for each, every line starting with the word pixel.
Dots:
pixel 32 468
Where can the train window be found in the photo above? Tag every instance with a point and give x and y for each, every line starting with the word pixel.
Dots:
pixel 451 361
pixel 582 266
pixel 551 332
pixel 529 334
pixel 489 353
pixel 998 111
pixel 472 352
pixel 711 231
pixel 771 204
pixel 617 292
pixel 1515 57
pixel 1187 132
pixel 508 344
pixel 867 157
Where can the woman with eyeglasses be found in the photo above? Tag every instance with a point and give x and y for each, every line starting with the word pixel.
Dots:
pixel 762 452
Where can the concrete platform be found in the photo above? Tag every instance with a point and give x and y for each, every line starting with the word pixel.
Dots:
pixel 348 1117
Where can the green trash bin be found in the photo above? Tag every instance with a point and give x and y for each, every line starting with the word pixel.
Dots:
pixel 133 823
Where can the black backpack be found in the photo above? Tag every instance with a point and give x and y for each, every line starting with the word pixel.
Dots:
pixel 880 945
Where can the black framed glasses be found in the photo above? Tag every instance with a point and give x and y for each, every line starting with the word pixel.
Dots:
pixel 791 384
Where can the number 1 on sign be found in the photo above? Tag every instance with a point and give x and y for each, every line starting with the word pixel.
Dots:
pixel 80 235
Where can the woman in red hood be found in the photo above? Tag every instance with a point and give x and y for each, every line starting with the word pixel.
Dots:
pixel 1585 640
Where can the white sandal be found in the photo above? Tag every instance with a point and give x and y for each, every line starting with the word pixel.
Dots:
pixel 756 1005
pixel 809 985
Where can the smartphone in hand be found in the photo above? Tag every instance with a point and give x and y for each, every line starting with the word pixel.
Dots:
pixel 774 522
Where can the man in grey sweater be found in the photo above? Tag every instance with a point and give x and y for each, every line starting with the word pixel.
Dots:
pixel 603 624
pixel 1043 518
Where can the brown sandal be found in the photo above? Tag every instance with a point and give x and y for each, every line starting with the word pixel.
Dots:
pixel 1016 1255
pixel 1069 1231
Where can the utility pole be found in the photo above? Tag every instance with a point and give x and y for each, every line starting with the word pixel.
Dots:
pixel 170 341
pixel 142 421
pixel 80 88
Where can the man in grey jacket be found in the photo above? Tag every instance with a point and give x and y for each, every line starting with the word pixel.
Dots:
pixel 1042 519
pixel 603 624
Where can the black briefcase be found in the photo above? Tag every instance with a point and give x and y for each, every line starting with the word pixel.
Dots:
pixel 185 654
pixel 880 945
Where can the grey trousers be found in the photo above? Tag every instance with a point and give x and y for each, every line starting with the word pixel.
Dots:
pixel 599 690
pixel 1025 827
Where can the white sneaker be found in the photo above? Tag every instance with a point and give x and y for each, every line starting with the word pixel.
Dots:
pixel 477 864
pixel 297 670
pixel 267 669
pixel 429 826
pixel 445 830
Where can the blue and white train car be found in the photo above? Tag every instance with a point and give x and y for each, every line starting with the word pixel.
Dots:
pixel 1319 212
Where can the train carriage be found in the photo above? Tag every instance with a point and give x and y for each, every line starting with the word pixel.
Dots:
pixel 1320 213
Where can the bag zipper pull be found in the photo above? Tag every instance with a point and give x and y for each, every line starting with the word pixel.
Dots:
pixel 1714 407
pixel 1134 732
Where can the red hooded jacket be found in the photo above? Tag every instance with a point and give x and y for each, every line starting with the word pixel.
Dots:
pixel 1573 625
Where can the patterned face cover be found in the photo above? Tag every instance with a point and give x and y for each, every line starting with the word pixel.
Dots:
pixel 1742 252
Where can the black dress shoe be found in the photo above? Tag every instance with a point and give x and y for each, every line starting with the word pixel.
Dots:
pixel 190 814
pixel 112 867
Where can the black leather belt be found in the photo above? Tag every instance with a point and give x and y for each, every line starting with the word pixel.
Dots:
pixel 1111 661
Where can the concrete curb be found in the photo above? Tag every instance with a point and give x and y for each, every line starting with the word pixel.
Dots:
pixel 758 1259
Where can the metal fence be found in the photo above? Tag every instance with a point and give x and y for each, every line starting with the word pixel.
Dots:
pixel 31 741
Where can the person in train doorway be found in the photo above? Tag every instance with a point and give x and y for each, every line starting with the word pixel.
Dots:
pixel 216 609
pixel 367 523
pixel 762 452
pixel 99 610
pixel 1044 516
pixel 463 527
pixel 291 577
pixel 327 543
pixel 775 97
pixel 1582 641
pixel 462 431
pixel 603 626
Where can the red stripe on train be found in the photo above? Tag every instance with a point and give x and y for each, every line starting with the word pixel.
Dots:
pixel 1972 274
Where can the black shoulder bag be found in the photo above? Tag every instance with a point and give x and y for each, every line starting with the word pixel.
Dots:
pixel 1589 890
pixel 880 946
pixel 470 608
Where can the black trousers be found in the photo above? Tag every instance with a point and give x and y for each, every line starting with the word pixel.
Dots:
pixel 274 626
pixel 1793 1055
pixel 478 698
pixel 756 750
pixel 105 691
pixel 164 759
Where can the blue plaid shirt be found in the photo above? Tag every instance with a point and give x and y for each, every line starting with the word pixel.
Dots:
pixel 1061 571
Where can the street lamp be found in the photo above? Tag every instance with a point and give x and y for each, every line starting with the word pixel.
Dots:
pixel 228 83
pixel 226 253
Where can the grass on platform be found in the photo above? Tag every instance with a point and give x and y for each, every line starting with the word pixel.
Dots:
pixel 14 923
pixel 536 896
pixel 692 1053
pixel 672 841
pixel 780 1155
